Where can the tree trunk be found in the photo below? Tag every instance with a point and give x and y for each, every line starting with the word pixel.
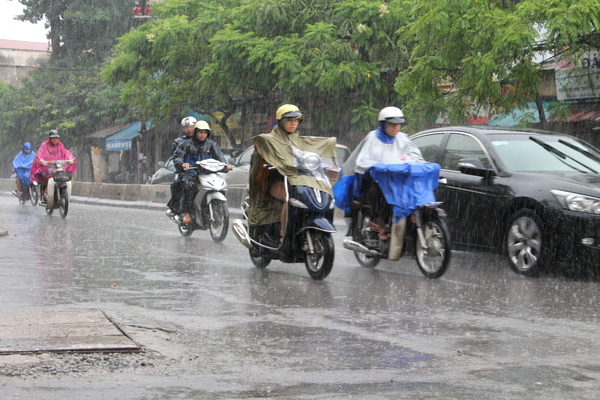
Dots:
pixel 540 107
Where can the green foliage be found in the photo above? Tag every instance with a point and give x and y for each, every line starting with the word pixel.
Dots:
pixel 256 55
pixel 482 52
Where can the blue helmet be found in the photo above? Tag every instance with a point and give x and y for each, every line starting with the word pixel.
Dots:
pixel 27 146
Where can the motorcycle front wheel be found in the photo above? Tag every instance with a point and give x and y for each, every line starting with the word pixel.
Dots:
pixel 33 194
pixel 320 262
pixel 433 261
pixel 63 202
pixel 219 225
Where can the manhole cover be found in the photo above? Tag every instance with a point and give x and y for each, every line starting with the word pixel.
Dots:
pixel 59 331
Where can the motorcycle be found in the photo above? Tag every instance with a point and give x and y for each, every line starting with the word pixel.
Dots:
pixel 31 194
pixel 210 204
pixel 424 234
pixel 309 224
pixel 59 187
pixel 31 189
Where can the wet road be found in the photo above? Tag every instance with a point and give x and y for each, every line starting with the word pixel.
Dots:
pixel 225 330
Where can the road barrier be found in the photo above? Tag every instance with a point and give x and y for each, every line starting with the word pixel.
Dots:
pixel 139 196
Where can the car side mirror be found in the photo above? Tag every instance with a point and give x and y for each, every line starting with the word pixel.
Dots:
pixel 474 166
pixel 161 164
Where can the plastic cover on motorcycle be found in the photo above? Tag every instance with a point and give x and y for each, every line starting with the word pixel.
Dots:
pixel 406 186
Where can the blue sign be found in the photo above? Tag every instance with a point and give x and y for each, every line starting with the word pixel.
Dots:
pixel 115 145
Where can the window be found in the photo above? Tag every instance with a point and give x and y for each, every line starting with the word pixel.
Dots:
pixel 429 145
pixel 463 146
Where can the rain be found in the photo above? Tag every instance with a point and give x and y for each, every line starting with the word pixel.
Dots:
pixel 113 300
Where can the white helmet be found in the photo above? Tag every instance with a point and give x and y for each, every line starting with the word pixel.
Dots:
pixel 202 125
pixel 188 121
pixel 391 114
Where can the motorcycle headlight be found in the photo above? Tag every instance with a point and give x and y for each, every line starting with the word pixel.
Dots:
pixel 59 165
pixel 311 162
pixel 577 202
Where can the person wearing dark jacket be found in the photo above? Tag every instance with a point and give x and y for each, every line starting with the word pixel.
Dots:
pixel 198 148
pixel 187 125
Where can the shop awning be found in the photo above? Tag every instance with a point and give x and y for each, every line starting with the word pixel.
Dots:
pixel 593 116
pixel 122 140
pixel 111 130
pixel 518 115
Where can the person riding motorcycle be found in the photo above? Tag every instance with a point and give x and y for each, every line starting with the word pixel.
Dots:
pixel 50 150
pixel 199 147
pixel 267 188
pixel 387 145
pixel 22 165
pixel 187 125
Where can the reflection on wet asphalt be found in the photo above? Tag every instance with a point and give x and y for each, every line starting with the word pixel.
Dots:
pixel 479 332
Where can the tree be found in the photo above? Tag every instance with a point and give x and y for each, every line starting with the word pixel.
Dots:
pixel 82 31
pixel 337 60
pixel 483 52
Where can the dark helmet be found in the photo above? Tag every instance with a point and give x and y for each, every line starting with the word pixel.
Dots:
pixel 53 133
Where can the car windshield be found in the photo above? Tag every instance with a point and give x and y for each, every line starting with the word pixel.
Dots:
pixel 546 153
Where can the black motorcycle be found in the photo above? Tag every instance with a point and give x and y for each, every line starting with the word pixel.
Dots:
pixel 309 226
pixel 424 234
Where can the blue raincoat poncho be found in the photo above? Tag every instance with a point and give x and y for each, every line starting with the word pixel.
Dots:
pixel 22 164
pixel 396 164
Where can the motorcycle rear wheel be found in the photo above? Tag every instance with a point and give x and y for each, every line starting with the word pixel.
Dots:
pixel 63 202
pixel 320 263
pixel 49 210
pixel 33 194
pixel 366 260
pixel 185 229
pixel 219 226
pixel 363 259
pixel 434 261
pixel 259 261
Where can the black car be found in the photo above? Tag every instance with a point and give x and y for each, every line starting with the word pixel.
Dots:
pixel 531 194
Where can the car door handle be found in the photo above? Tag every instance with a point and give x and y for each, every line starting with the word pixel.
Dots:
pixel 443 181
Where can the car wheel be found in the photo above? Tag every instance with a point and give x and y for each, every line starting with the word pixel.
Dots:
pixel 526 246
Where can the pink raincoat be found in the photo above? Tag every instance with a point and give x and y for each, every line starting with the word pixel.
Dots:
pixel 47 152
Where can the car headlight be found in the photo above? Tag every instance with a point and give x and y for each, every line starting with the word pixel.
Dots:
pixel 577 202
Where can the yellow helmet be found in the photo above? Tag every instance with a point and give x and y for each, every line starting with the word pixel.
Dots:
pixel 288 111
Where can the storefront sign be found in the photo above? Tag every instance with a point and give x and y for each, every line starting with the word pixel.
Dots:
pixel 578 81
pixel 115 145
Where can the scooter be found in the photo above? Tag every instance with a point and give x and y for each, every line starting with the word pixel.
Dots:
pixel 423 234
pixel 31 194
pixel 31 191
pixel 59 187
pixel 308 227
pixel 210 204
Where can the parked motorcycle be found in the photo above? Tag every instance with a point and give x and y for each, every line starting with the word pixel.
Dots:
pixel 423 233
pixel 309 224
pixel 210 204
pixel 59 187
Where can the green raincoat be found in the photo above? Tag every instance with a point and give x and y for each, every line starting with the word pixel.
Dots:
pixel 276 149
